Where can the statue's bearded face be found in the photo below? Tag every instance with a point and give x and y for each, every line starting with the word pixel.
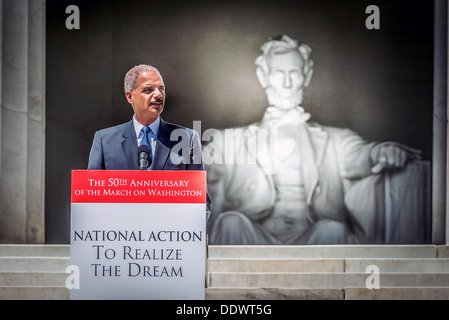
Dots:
pixel 286 80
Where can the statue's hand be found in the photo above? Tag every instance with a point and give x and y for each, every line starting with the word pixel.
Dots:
pixel 391 155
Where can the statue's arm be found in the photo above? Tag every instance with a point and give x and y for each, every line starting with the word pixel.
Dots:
pixel 354 154
pixel 358 158
pixel 392 155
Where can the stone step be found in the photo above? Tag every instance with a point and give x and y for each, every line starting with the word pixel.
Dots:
pixel 424 265
pixel 44 279
pixel 23 263
pixel 62 293
pixel 443 251
pixel 409 293
pixel 35 250
pixel 427 265
pixel 329 272
pixel 276 265
pixel 273 294
pixel 402 265
pixel 324 251
pixel 34 293
pixel 348 293
pixel 335 280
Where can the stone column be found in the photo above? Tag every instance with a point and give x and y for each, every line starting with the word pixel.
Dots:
pixel 439 125
pixel 22 119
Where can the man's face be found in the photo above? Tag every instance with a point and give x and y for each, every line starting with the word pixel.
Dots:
pixel 286 80
pixel 148 99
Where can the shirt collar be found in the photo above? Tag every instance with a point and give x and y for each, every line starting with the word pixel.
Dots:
pixel 154 126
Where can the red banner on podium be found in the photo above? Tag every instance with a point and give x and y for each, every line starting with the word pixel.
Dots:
pixel 115 186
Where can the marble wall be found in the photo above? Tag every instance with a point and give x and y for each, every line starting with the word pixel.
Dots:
pixel 440 222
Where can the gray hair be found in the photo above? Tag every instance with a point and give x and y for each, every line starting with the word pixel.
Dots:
pixel 130 83
pixel 282 44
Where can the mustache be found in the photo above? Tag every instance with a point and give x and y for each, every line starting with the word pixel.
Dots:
pixel 157 101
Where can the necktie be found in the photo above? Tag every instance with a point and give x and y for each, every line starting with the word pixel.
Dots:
pixel 146 139
pixel 147 134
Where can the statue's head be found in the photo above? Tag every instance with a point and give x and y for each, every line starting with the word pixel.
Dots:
pixel 284 70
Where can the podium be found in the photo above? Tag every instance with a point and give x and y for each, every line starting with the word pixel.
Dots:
pixel 138 235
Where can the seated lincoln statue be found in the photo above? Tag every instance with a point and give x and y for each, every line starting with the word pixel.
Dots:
pixel 295 192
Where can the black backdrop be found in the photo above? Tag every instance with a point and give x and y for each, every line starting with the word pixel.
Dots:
pixel 377 82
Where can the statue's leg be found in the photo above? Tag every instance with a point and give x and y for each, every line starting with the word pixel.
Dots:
pixel 327 232
pixel 234 228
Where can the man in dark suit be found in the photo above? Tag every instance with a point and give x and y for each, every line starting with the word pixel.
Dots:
pixel 172 147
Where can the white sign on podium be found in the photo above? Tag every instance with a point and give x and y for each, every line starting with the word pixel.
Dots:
pixel 139 234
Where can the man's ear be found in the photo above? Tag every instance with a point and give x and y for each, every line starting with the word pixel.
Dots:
pixel 262 76
pixel 129 97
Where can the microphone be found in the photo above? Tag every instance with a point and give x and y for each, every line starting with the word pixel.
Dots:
pixel 144 157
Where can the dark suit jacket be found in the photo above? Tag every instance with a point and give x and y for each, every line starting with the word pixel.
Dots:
pixel 115 148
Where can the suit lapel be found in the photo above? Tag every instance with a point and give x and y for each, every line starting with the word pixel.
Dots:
pixel 261 145
pixel 312 145
pixel 318 139
pixel 129 145
pixel 163 146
